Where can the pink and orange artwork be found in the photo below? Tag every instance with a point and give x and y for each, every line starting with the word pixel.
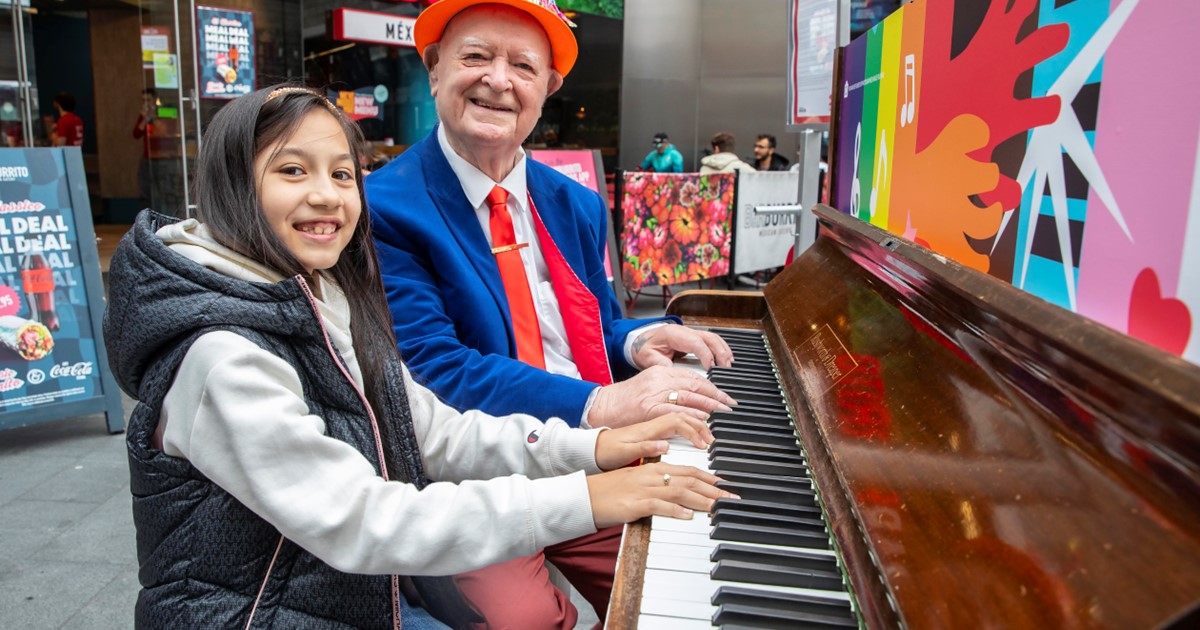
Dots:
pixel 1051 144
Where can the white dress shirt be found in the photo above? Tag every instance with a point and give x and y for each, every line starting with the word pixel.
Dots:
pixel 476 185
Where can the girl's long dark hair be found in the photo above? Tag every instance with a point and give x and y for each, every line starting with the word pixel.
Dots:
pixel 227 201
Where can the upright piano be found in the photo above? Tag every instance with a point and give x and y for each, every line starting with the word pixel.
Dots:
pixel 920 445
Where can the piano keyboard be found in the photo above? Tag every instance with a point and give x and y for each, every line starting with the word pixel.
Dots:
pixel 764 561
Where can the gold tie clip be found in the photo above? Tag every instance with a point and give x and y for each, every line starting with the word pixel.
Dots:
pixel 508 248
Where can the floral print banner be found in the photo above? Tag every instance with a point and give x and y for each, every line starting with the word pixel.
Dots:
pixel 678 227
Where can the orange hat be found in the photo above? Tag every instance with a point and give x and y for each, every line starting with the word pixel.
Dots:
pixel 432 22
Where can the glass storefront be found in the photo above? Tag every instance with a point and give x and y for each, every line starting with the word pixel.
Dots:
pixel 195 58
pixel 583 114
pixel 19 124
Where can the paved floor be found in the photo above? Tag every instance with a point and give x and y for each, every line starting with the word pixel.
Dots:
pixel 67 548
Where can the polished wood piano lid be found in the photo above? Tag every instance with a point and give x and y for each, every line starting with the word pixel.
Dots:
pixel 987 459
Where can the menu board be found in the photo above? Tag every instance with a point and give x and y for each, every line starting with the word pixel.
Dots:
pixel 225 52
pixel 52 359
pixel 811 48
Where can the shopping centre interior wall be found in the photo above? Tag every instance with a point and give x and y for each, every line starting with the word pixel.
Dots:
pixel 696 67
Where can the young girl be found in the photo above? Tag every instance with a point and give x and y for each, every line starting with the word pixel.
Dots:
pixel 281 457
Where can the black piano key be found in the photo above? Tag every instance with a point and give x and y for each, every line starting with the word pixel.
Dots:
pixel 767 427
pixel 757 378
pixel 809 524
pixel 737 615
pixel 778 556
pixel 766 507
pixel 759 370
pixel 776 481
pixel 759 455
pixel 832 609
pixel 749 340
pixel 766 492
pixel 776 575
pixel 749 333
pixel 767 535
pixel 758 383
pixel 743 396
pixel 746 435
pixel 761 447
pixel 758 467
pixel 755 411
pixel 748 362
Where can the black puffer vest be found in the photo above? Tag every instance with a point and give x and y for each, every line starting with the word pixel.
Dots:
pixel 206 560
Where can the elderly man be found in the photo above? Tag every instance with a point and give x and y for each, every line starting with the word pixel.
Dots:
pixel 493 266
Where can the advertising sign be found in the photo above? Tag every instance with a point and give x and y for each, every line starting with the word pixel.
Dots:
pixel 586 168
pixel 812 43
pixel 52 359
pixel 155 39
pixel 361 103
pixel 225 52
pixel 762 241
pixel 373 27
pixel 607 8
pixel 166 76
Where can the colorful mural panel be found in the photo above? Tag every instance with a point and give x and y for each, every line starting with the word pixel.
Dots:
pixel 1045 142
pixel 677 227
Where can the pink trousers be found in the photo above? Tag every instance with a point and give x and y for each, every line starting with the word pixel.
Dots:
pixel 518 595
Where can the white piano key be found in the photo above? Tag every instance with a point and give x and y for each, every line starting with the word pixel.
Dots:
pixel 697 459
pixel 681 538
pixel 676 609
pixel 690 362
pixel 698 563
pixel 702 541
pixel 672 550
pixel 699 587
pixel 656 622
pixel 698 524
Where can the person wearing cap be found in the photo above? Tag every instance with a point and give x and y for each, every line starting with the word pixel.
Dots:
pixel 664 157
pixel 493 266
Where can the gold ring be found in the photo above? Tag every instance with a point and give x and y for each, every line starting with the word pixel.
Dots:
pixel 673 398
pixel 666 479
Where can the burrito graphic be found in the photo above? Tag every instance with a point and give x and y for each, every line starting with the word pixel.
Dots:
pixel 26 337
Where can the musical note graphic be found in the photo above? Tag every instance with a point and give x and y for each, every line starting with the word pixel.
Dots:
pixel 909 109
pixel 880 178
pixel 855 187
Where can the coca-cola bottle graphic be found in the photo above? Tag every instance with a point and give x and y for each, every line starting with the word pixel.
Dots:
pixel 38 281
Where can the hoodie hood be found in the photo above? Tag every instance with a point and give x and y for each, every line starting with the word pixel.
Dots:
pixel 158 296
pixel 720 161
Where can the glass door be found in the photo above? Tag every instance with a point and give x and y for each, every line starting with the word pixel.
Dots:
pixel 18 95
pixel 196 57
pixel 170 118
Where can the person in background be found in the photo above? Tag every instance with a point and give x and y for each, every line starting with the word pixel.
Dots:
pixel 69 130
pixel 664 157
pixel 143 129
pixel 287 470
pixel 765 157
pixel 723 159
pixel 494 270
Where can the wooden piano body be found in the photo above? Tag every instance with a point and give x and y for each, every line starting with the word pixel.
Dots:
pixel 983 458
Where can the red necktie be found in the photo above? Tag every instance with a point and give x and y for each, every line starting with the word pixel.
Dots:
pixel 512 271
